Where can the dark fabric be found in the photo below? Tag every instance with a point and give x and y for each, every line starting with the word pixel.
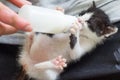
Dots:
pixel 8 64
pixel 101 64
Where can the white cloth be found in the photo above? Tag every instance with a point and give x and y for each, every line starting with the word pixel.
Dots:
pixel 74 7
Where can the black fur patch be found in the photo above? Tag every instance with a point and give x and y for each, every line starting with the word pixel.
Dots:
pixel 73 41
pixel 36 33
pixel 48 34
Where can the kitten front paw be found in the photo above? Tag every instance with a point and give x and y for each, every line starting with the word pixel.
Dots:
pixel 59 62
pixel 75 29
pixel 60 9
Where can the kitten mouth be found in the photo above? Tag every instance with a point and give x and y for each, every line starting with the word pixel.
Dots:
pixel 81 20
pixel 80 25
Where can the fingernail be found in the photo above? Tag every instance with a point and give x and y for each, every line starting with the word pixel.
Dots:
pixel 28 28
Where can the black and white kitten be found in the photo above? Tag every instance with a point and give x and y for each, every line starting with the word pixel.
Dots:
pixel 44 56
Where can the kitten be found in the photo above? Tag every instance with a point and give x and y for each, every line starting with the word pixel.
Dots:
pixel 44 56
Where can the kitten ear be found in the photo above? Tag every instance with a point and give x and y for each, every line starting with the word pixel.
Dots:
pixel 94 5
pixel 110 31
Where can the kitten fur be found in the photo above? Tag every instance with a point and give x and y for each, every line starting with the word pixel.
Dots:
pixel 41 50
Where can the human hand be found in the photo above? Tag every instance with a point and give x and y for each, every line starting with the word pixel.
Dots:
pixel 10 22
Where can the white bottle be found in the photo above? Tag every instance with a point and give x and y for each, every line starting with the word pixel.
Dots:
pixel 46 20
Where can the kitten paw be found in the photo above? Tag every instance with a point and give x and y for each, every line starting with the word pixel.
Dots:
pixel 59 62
pixel 60 9
pixel 76 27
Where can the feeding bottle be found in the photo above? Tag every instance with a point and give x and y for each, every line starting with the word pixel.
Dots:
pixel 46 20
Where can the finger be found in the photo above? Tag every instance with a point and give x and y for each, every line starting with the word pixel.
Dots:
pixel 6 29
pixel 11 18
pixel 19 3
pixel 21 24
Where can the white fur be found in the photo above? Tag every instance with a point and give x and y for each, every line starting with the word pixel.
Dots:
pixel 86 16
pixel 42 53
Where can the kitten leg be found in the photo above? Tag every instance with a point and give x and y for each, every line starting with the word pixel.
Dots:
pixel 57 63
pixel 29 41
pixel 76 50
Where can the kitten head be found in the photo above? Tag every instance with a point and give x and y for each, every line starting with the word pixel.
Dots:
pixel 97 21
